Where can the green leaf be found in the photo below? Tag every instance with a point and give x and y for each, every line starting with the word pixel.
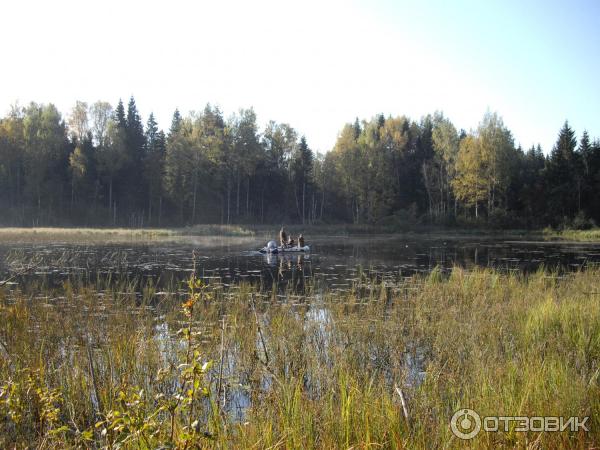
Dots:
pixel 59 430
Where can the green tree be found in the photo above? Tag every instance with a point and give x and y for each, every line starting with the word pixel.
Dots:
pixel 443 165
pixel 78 164
pixel 301 174
pixel 497 152
pixel 112 157
pixel 78 121
pixel 119 116
pixel 246 150
pixel 395 163
pixel 181 168
pixel 470 184
pixel 175 122
pixel 134 188
pixel 46 155
pixel 154 161
pixel 101 114
pixel 585 174
pixel 12 150
pixel 561 176
pixel 350 169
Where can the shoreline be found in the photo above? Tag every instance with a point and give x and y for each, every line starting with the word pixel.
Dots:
pixel 265 231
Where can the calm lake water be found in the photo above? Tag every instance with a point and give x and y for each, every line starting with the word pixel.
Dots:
pixel 334 261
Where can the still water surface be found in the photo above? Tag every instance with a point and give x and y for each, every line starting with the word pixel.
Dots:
pixel 334 261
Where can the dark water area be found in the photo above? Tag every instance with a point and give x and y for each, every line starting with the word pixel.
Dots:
pixel 333 262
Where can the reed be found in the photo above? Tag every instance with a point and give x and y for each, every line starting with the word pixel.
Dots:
pixel 211 367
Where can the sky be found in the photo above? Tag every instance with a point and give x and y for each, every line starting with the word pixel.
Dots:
pixel 314 64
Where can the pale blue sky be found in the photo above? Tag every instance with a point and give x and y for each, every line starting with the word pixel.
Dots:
pixel 314 64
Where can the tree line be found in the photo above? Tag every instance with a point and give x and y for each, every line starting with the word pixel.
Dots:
pixel 102 166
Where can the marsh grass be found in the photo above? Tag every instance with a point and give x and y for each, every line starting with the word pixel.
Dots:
pixel 102 235
pixel 592 235
pixel 321 372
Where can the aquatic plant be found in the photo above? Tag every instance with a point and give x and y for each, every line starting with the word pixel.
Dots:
pixel 379 365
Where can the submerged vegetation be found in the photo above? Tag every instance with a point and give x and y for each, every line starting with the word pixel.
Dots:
pixel 235 367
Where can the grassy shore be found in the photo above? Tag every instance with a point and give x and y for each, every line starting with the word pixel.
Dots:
pixel 266 232
pixel 98 366
pixel 49 234
pixel 592 235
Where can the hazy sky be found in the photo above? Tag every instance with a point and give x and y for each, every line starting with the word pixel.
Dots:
pixel 313 64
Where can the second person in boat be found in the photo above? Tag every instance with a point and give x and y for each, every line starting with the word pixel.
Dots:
pixel 291 242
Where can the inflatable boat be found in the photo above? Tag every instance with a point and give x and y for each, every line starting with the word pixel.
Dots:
pixel 270 248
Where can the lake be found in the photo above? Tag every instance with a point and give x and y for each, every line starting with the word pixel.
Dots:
pixel 334 261
pixel 409 328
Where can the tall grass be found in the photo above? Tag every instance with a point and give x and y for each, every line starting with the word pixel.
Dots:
pixel 100 235
pixel 592 235
pixel 86 368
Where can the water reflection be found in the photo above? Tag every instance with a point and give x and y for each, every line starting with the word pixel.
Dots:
pixel 288 269
pixel 336 263
pixel 333 262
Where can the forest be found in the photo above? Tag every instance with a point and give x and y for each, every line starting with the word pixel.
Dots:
pixel 102 166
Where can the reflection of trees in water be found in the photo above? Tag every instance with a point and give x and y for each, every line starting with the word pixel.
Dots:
pixel 334 261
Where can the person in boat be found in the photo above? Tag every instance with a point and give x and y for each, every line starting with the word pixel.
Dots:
pixel 291 242
pixel 283 239
pixel 300 241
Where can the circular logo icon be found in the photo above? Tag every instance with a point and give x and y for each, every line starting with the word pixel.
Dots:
pixel 465 424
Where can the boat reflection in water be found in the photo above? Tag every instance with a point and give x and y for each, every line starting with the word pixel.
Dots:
pixel 289 269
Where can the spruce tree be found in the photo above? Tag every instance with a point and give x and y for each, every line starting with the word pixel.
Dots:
pixel 120 115
pixel 357 129
pixel 175 123
pixel 302 166
pixel 586 175
pixel 135 131
pixel 561 176
pixel 585 151
pixel 135 190
pixel 154 161
pixel 151 133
